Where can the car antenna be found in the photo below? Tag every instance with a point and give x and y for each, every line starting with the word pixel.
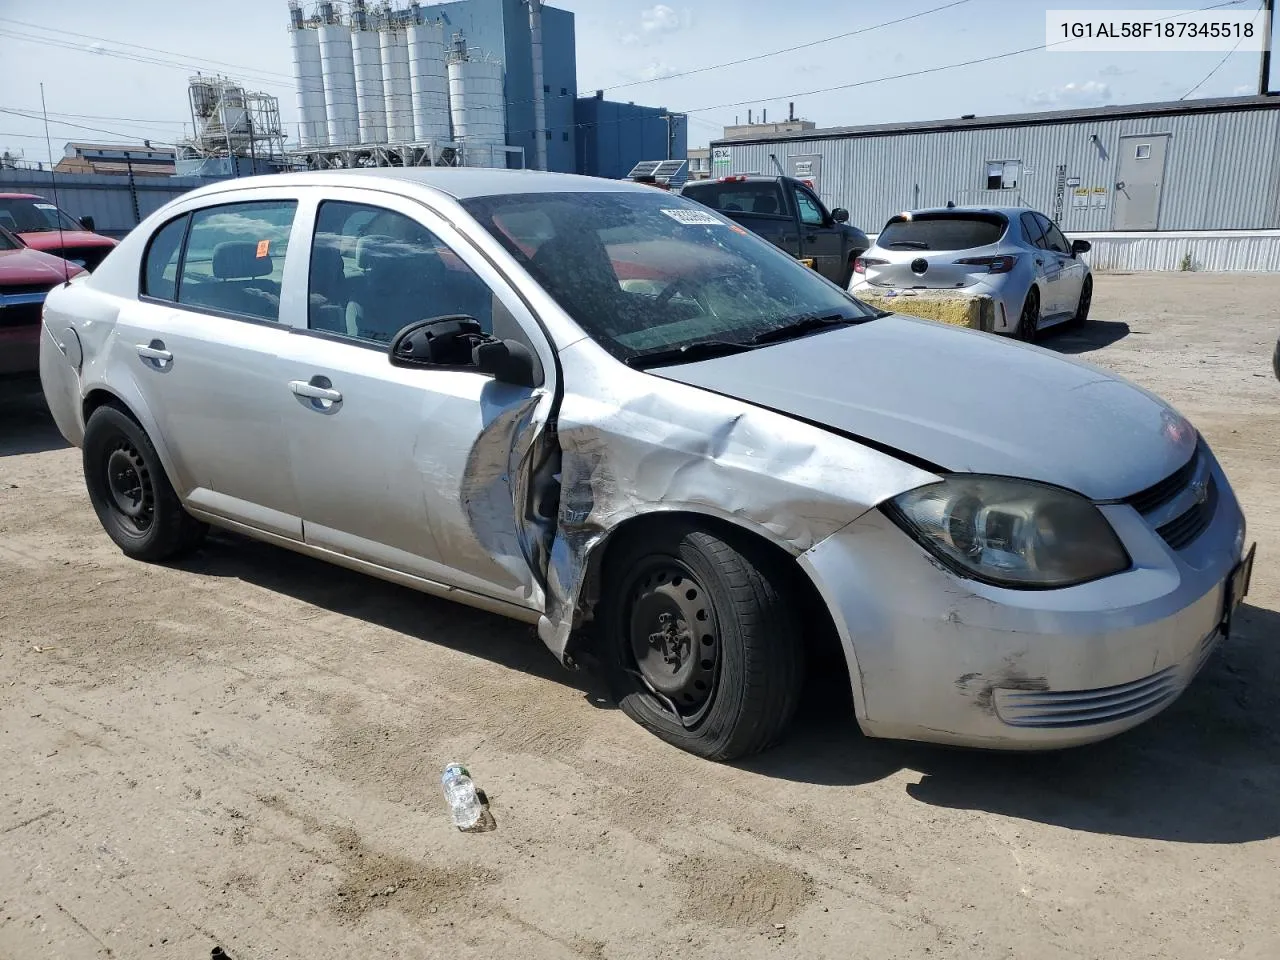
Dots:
pixel 53 180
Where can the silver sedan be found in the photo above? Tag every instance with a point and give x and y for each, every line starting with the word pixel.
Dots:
pixel 693 463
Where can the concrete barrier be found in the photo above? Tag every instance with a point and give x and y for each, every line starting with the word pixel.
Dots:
pixel 944 306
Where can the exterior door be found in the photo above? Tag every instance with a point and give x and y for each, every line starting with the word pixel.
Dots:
pixel 1139 182
pixel 203 345
pixel 411 469
pixel 820 236
pixel 1048 270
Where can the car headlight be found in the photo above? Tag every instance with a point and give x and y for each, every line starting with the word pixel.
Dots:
pixel 1011 533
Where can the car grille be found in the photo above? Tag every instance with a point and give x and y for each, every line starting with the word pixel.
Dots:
pixel 1078 708
pixel 1156 496
pixel 1182 530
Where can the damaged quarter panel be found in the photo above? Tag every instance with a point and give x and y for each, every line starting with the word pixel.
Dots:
pixel 633 443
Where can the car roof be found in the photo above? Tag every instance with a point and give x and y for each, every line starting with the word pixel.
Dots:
pixel 736 178
pixel 20 196
pixel 460 183
pixel 1011 213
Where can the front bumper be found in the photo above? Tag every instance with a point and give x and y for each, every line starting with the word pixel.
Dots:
pixel 939 658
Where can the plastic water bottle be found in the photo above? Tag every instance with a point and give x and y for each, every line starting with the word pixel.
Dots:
pixel 460 792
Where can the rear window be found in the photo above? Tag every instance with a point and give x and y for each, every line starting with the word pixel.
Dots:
pixel 759 198
pixel 942 232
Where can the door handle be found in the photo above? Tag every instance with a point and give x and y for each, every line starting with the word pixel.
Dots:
pixel 314 391
pixel 155 352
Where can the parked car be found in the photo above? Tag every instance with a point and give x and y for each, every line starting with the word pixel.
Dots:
pixel 1016 256
pixel 43 226
pixel 788 214
pixel 26 276
pixel 612 412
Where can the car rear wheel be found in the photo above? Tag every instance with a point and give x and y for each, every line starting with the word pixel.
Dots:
pixel 130 491
pixel 1029 320
pixel 700 646
pixel 1086 300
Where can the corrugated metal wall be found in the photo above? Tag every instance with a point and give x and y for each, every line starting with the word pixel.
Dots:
pixel 1222 170
pixel 108 200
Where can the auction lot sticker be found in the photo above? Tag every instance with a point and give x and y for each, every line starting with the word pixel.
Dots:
pixel 694 218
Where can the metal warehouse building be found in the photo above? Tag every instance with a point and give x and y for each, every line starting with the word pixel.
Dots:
pixel 1189 184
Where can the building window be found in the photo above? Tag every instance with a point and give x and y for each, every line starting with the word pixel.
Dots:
pixel 546 88
pixel 1003 174
pixel 548 134
pixel 564 91
pixel 565 136
pixel 1142 152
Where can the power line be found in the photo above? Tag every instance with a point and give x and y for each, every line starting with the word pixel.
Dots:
pixel 775 53
pixel 1219 66
pixel 81 126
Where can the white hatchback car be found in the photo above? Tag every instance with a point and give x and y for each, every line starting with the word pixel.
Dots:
pixel 612 412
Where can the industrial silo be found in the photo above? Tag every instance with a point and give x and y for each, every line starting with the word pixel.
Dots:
pixel 339 78
pixel 428 81
pixel 367 60
pixel 478 107
pixel 313 124
pixel 396 95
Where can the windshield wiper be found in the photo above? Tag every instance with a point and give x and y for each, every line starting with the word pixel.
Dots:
pixel 805 325
pixel 912 244
pixel 698 350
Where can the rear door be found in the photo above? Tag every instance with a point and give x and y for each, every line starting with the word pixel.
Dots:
pixel 1048 272
pixel 416 470
pixel 822 238
pixel 202 344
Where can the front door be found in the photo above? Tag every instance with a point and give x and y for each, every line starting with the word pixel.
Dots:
pixel 1139 181
pixel 412 469
pixel 820 237
pixel 202 344
pixel 1070 268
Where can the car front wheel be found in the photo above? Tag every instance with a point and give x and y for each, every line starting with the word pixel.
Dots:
pixel 130 491
pixel 701 647
pixel 1082 307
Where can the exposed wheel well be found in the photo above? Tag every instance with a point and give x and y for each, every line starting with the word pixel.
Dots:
pixel 104 398
pixel 825 657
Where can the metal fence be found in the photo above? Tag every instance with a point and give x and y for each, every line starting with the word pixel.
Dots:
pixel 117 204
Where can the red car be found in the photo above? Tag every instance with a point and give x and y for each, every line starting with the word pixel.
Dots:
pixel 42 226
pixel 26 275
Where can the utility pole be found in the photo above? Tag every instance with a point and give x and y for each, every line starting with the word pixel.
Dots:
pixel 1264 73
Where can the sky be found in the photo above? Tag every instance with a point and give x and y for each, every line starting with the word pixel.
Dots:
pixel 630 48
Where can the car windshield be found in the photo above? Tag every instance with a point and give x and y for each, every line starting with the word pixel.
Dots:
pixel 33 215
pixel 644 273
pixel 942 231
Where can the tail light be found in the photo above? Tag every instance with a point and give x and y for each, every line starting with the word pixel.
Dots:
pixel 861 263
pixel 1001 264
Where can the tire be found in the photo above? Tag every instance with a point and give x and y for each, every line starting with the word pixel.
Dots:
pixel 130 491
pixel 848 268
pixel 1027 329
pixel 735 680
pixel 1082 306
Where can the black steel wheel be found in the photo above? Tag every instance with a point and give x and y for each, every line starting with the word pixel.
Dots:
pixel 699 644
pixel 130 491
pixel 1082 307
pixel 1029 320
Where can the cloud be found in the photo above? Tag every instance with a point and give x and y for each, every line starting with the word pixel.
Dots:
pixel 1113 70
pixel 1090 93
pixel 656 70
pixel 655 22
pixel 1243 90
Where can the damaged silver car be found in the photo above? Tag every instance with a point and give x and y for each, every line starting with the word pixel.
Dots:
pixel 688 459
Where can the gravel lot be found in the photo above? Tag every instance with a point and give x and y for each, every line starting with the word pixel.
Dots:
pixel 245 749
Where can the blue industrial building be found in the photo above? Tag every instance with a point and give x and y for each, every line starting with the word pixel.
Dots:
pixel 613 137
pixel 501 27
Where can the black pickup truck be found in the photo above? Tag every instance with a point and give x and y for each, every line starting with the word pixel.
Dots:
pixel 788 214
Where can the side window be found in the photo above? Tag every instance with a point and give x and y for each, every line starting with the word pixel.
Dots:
pixel 374 271
pixel 234 258
pixel 160 266
pixel 1053 237
pixel 1031 227
pixel 810 212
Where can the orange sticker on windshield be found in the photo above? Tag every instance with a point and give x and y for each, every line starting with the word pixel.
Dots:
pixel 263 247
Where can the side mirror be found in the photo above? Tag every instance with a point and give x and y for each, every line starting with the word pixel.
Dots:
pixel 1080 246
pixel 87 223
pixel 840 215
pixel 507 361
pixel 437 342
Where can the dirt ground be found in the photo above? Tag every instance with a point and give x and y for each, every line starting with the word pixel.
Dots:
pixel 245 749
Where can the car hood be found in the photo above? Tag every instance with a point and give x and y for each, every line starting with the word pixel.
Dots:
pixel 963 402
pixel 29 267
pixel 53 240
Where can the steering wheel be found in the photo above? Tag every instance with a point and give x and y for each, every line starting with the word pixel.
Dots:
pixel 674 287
